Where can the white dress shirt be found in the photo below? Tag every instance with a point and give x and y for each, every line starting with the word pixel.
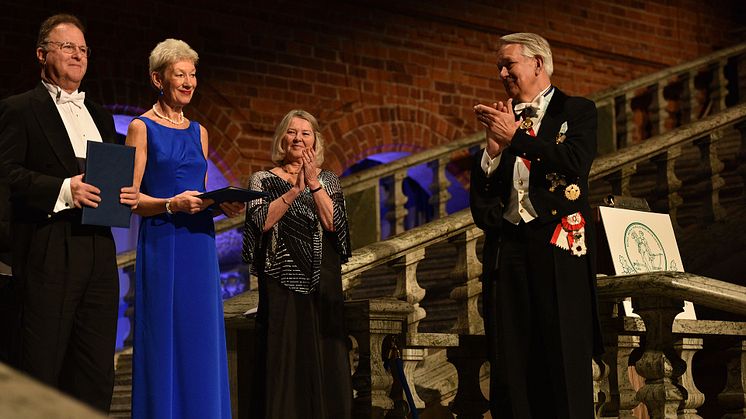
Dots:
pixel 80 129
pixel 519 205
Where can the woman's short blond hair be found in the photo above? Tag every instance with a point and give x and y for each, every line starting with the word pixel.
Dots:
pixel 168 52
pixel 278 152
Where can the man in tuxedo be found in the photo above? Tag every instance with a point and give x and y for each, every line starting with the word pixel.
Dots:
pixel 66 271
pixel 8 299
pixel 529 193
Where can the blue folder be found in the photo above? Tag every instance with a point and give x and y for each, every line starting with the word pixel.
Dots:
pixel 232 194
pixel 109 167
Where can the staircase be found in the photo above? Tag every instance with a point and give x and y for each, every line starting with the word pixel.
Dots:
pixel 694 172
pixel 121 402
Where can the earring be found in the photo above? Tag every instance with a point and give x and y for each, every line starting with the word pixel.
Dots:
pixel 161 92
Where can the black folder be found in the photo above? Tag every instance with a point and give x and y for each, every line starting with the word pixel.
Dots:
pixel 232 194
pixel 109 167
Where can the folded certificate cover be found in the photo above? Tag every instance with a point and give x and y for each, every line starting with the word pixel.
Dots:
pixel 109 167
pixel 232 194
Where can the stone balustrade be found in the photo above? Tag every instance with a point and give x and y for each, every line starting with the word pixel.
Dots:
pixel 660 347
pixel 629 114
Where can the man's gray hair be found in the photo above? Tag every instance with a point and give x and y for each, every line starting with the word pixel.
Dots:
pixel 533 46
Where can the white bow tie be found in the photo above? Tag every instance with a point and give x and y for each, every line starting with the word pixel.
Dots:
pixel 536 105
pixel 74 98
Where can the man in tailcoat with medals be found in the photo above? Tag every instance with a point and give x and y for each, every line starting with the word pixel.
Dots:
pixel 529 193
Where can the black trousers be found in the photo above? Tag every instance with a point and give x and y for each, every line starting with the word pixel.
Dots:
pixel 10 339
pixel 538 322
pixel 69 310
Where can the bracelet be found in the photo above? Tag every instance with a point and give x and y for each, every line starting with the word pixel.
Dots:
pixel 283 200
pixel 316 190
pixel 168 207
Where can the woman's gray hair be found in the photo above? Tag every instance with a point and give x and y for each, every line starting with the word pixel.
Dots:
pixel 533 46
pixel 278 152
pixel 168 52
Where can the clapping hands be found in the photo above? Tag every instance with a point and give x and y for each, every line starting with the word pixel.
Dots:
pixel 308 170
pixel 499 123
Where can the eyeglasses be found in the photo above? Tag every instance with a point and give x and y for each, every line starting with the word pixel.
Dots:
pixel 70 48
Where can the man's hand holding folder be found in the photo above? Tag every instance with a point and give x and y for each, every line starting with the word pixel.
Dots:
pixel 105 192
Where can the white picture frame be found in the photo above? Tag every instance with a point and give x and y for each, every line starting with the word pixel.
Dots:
pixel 639 242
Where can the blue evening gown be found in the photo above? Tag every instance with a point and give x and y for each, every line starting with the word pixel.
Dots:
pixel 180 365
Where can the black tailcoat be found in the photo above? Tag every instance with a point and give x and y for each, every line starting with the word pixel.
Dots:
pixel 539 300
pixel 66 271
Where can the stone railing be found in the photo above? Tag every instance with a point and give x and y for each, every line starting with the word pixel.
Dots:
pixel 656 103
pixel 662 349
pixel 692 149
pixel 403 254
pixel 404 311
pixel 629 114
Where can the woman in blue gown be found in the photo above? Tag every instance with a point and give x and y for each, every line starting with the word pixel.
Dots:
pixel 180 365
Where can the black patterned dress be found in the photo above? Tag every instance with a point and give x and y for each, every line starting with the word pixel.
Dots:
pixel 302 367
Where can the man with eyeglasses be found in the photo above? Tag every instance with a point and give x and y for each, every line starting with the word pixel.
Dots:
pixel 65 272
pixel 529 193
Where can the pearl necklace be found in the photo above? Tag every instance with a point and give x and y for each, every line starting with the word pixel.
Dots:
pixel 179 122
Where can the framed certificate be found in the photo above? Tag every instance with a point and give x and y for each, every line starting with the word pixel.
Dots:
pixel 639 242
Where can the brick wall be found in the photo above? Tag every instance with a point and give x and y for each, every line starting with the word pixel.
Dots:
pixel 380 76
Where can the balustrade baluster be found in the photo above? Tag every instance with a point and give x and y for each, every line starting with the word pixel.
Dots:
pixel 370 322
pixel 625 120
pixel 409 290
pixel 397 201
pixel 660 365
pixel 467 271
pixel 658 109
pixel 719 86
pixel 468 358
pixel 711 169
pixel 439 194
pixel 668 184
pixel 741 128
pixel 407 287
pixel 411 357
pixel 690 107
pixel 600 376
pixel 129 299
pixel 620 180
pixel 607 129
pixel 686 348
pixel 620 395
pixel 733 398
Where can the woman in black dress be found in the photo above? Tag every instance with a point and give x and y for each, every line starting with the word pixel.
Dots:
pixel 296 240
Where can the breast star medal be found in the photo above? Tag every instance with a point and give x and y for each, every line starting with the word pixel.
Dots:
pixel 572 192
